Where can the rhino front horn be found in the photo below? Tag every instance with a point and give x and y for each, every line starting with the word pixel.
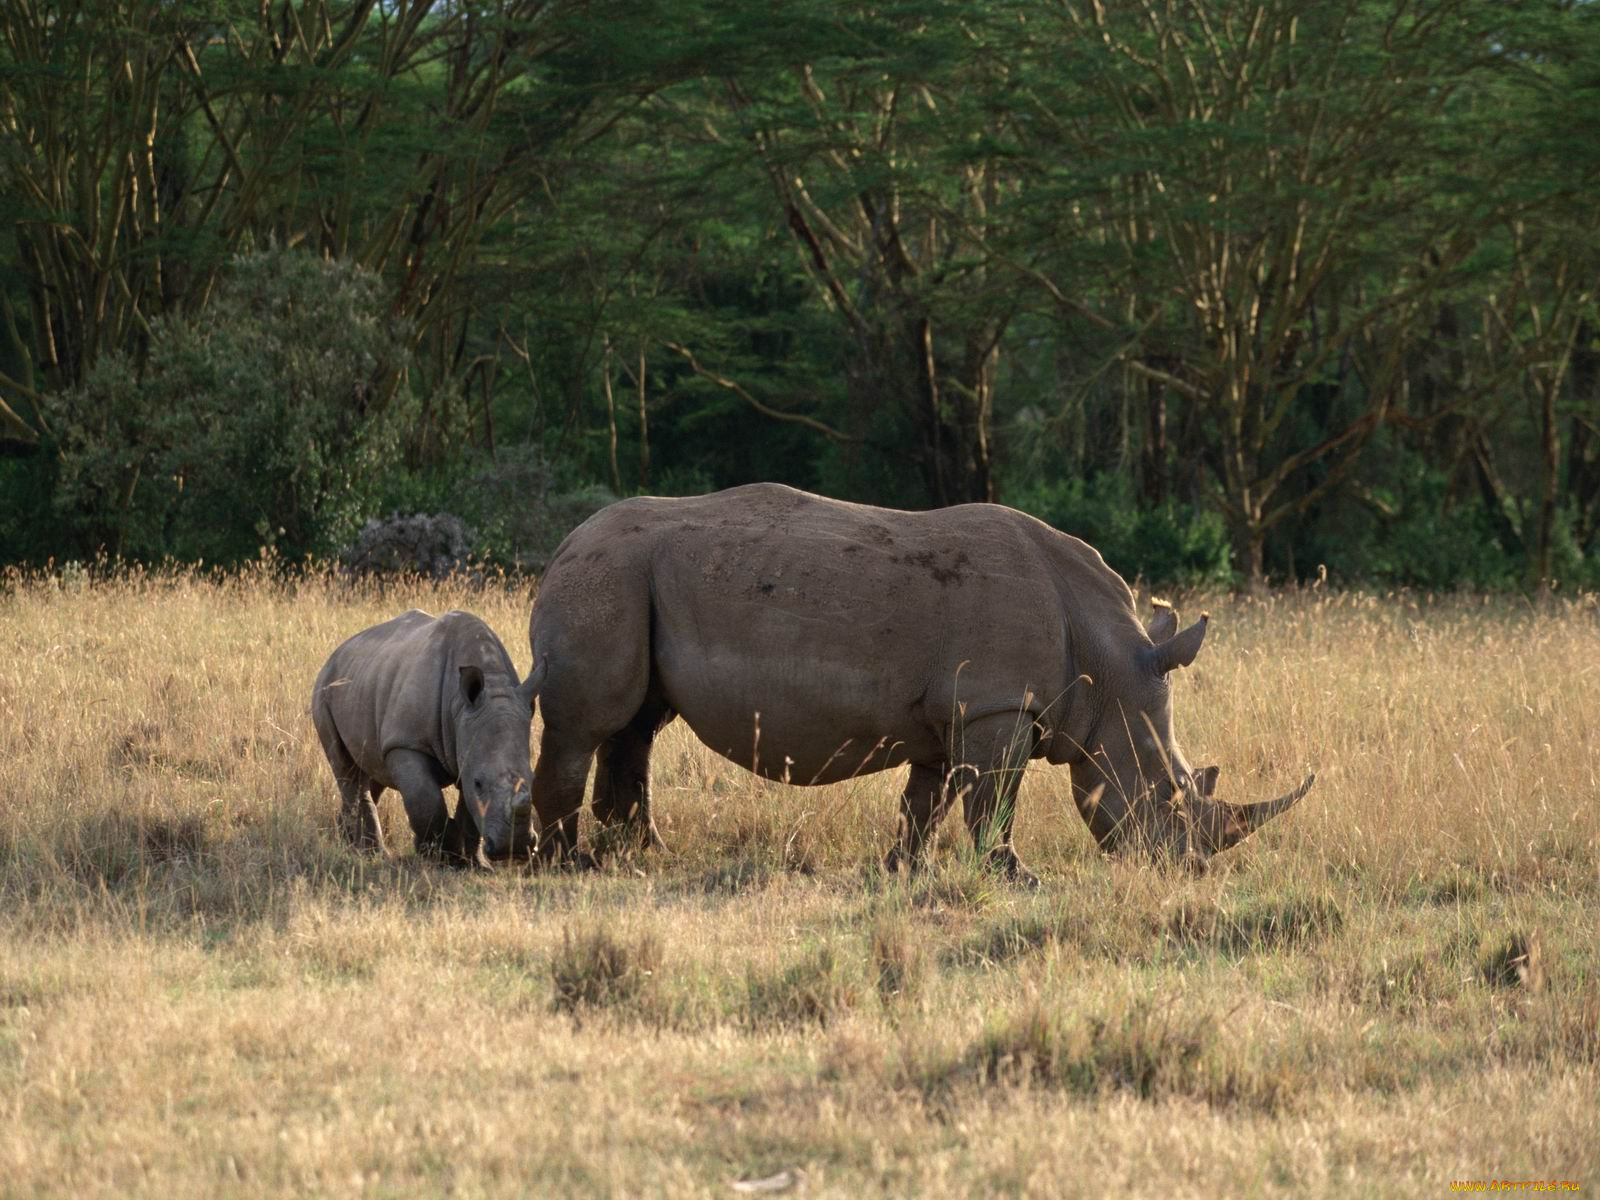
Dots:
pixel 1245 819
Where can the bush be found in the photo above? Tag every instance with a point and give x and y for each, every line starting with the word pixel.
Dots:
pixel 264 421
pixel 518 504
pixel 1172 544
pixel 435 546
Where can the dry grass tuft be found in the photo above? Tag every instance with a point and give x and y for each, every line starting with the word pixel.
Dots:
pixel 1259 925
pixel 1145 1049
pixel 899 961
pixel 816 989
pixel 594 971
pixel 1518 962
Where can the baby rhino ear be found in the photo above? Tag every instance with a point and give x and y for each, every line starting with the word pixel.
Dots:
pixel 471 685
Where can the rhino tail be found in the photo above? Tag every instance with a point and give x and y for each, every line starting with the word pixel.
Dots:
pixel 529 690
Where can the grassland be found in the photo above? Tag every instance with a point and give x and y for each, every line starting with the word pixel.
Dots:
pixel 202 993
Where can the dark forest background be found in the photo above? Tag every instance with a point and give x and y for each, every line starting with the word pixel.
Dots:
pixel 1236 291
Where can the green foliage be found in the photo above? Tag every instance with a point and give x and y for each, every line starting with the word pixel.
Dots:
pixel 1171 543
pixel 266 421
pixel 1229 290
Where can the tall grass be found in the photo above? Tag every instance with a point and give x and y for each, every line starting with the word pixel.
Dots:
pixel 203 992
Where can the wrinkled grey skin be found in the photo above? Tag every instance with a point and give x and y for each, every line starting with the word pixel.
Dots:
pixel 812 640
pixel 420 703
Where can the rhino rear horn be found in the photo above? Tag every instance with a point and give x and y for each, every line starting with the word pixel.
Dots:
pixel 1180 649
pixel 529 690
pixel 1245 819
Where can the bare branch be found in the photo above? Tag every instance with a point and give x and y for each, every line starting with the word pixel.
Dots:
pixel 765 410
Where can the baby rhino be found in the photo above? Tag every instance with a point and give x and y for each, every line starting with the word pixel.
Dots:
pixel 418 703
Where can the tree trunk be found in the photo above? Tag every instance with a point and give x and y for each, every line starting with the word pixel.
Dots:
pixel 611 421
pixel 644 425
pixel 1249 551
pixel 1549 473
pixel 953 412
pixel 1154 450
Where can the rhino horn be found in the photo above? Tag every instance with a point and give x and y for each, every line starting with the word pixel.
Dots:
pixel 1241 820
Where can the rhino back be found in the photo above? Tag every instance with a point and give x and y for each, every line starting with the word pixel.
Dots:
pixel 844 626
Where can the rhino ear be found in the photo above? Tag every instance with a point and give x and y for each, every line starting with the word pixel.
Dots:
pixel 1180 649
pixel 1205 780
pixel 472 685
pixel 1163 621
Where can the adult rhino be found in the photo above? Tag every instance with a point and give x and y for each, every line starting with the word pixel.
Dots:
pixel 811 641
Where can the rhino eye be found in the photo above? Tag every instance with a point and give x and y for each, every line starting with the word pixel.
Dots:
pixel 477 785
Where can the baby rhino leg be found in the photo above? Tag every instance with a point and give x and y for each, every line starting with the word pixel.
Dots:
pixel 417 778
pixel 358 811
pixel 459 847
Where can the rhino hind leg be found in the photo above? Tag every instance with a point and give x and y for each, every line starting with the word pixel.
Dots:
pixel 995 751
pixel 922 806
pixel 558 782
pixel 622 777
pixel 358 809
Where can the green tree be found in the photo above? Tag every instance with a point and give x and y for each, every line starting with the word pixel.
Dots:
pixel 1279 177
pixel 266 420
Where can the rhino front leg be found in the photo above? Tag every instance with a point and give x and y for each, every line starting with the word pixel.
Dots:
pixel 459 846
pixel 417 779
pixel 994 753
pixel 922 806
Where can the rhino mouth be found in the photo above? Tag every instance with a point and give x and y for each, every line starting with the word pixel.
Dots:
pixel 1205 826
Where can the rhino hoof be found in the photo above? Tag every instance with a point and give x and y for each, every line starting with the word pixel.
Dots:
pixel 1011 867
pixel 1022 877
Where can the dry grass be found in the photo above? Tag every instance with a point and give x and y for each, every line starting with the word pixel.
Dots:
pixel 203 993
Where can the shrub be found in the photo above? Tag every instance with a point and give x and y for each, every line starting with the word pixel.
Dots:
pixel 433 546
pixel 1169 544
pixel 263 421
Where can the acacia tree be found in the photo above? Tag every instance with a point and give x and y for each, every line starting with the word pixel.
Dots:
pixel 1276 191
pixel 1542 306
pixel 877 133
pixel 146 142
